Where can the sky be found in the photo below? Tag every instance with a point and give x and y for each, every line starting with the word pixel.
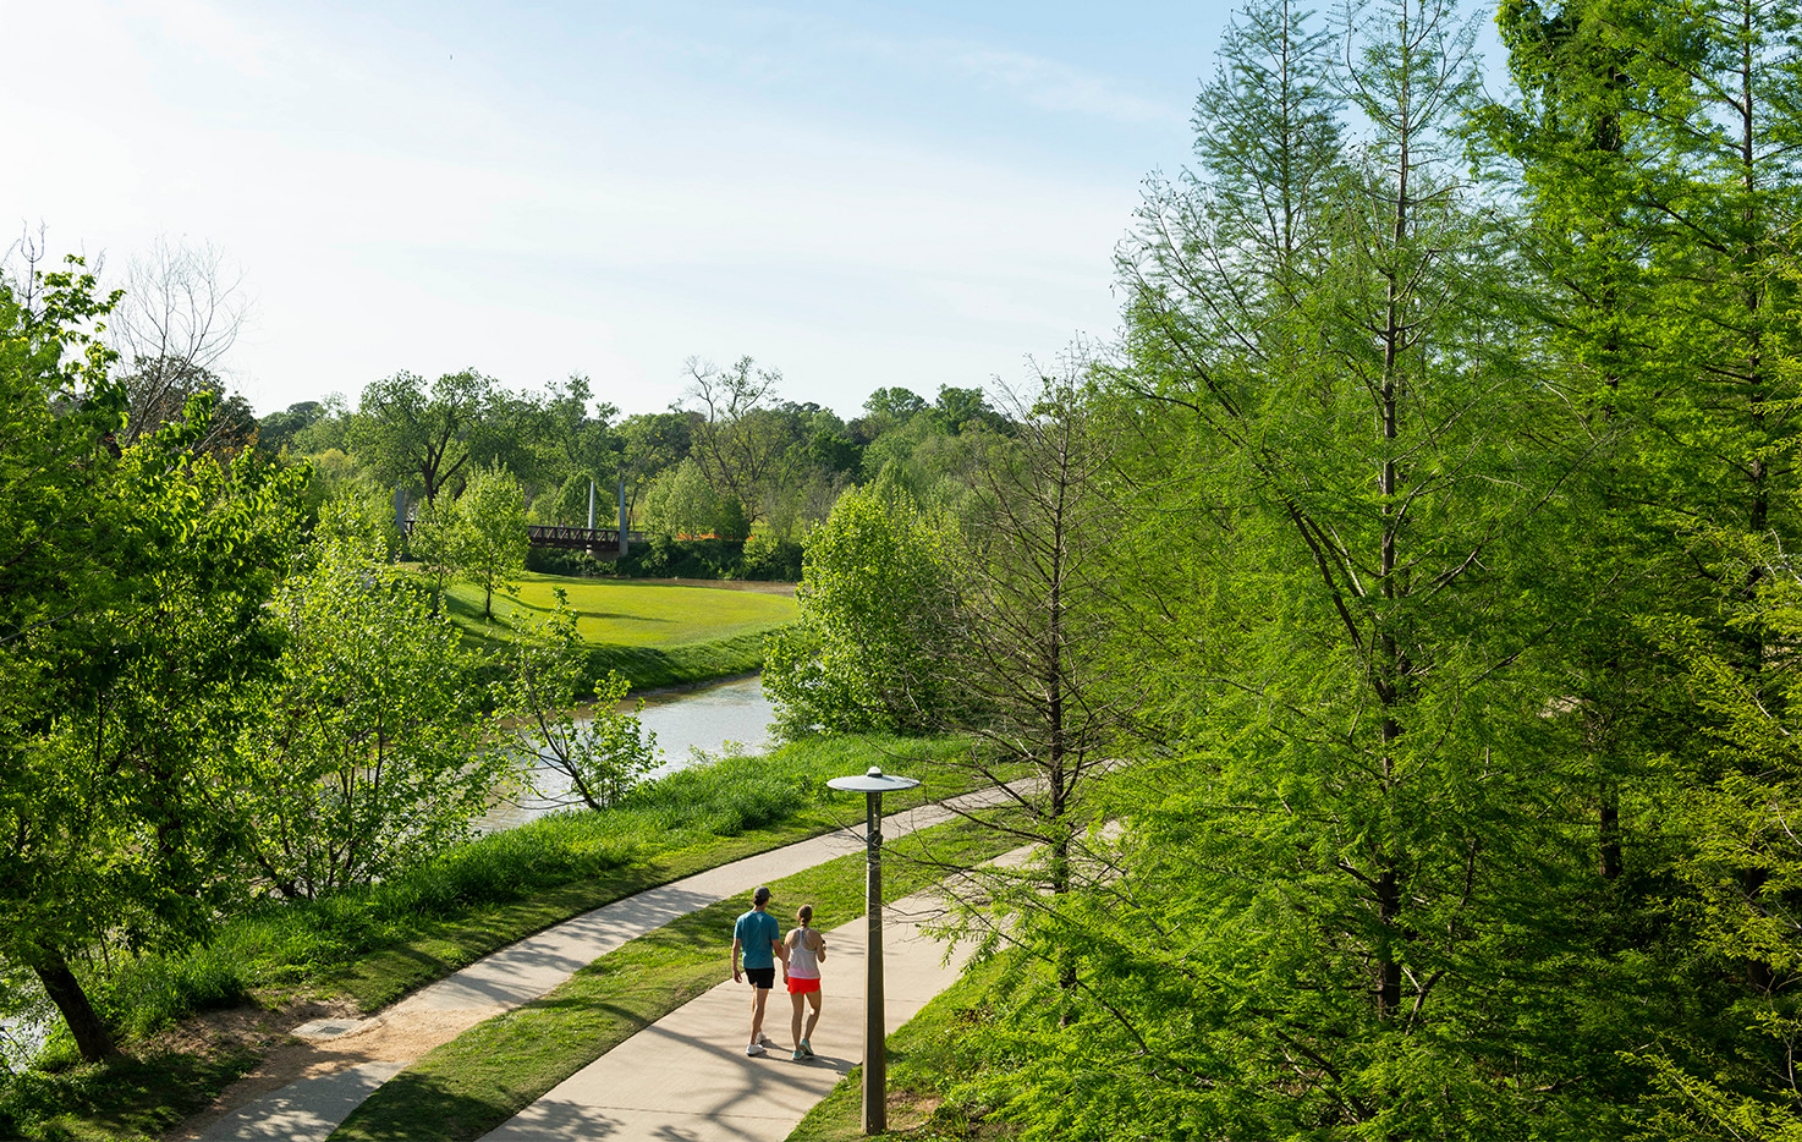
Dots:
pixel 858 194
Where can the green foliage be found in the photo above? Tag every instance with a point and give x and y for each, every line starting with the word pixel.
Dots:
pixel 769 558
pixel 277 430
pixel 875 599
pixel 596 760
pixel 764 557
pixel 1347 866
pixel 1738 803
pixel 435 540
pixel 683 505
pixel 132 628
pixel 371 754
pixel 433 438
pixel 488 532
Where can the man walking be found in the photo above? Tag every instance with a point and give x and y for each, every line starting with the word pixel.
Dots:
pixel 759 938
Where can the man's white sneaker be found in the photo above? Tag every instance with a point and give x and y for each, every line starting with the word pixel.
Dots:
pixel 754 1049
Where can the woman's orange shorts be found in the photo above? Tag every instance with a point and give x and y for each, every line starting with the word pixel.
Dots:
pixel 799 986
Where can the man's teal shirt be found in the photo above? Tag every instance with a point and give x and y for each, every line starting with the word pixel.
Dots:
pixel 754 932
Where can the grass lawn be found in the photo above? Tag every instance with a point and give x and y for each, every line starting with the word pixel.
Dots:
pixel 655 634
pixel 613 613
pixel 472 1084
pixel 926 1056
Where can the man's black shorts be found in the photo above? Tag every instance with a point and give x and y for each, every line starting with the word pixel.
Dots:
pixel 761 977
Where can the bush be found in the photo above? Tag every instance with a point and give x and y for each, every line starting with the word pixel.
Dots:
pixel 762 558
pixel 558 561
pixel 770 559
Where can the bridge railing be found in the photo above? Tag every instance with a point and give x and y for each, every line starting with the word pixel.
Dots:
pixel 556 535
pixel 570 538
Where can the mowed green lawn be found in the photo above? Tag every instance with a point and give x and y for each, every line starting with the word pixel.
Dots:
pixel 613 613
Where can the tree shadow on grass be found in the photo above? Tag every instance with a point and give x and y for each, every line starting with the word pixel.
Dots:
pixel 129 1097
pixel 415 1106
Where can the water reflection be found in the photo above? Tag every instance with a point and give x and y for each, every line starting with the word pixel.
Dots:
pixel 704 718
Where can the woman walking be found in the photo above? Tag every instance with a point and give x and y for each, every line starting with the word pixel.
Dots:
pixel 806 948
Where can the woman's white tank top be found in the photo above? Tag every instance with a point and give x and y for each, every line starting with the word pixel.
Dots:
pixel 802 962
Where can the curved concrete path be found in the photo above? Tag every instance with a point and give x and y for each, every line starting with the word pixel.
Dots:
pixel 687 1077
pixel 310 1109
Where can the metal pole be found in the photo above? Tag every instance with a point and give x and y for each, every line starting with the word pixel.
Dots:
pixel 588 540
pixel 875 1047
pixel 622 513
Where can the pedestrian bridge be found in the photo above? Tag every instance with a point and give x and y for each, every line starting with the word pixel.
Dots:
pixel 601 539
pixel 600 542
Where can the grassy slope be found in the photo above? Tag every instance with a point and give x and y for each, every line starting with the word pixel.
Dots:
pixel 655 634
pixel 377 945
pixel 469 1086
pixel 925 1057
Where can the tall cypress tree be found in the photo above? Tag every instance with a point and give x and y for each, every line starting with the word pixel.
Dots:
pixel 1335 908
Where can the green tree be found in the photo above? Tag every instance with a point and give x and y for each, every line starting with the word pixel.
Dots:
pixel 277 430
pixel 682 503
pixel 490 533
pixel 593 760
pixel 650 444
pixel 738 446
pixel 433 437
pixel 876 599
pixel 1743 868
pixel 576 444
pixel 436 540
pixel 1657 148
pixel 893 406
pixel 957 409
pixel 371 753
pixel 1042 685
pixel 1344 842
pixel 134 584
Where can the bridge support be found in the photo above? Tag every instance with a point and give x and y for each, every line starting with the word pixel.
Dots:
pixel 622 513
pixel 590 549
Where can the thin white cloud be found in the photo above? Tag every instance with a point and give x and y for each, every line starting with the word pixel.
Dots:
pixel 208 31
pixel 1055 86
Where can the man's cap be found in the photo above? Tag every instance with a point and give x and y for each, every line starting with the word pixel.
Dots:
pixel 761 896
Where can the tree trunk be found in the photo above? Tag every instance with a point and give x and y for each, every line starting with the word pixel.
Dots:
pixel 92 1038
pixel 1610 836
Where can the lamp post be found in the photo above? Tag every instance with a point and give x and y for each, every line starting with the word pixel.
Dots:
pixel 873 784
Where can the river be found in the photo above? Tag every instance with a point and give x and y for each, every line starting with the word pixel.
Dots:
pixel 702 718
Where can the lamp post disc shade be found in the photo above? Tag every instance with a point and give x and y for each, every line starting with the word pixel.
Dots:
pixel 874 781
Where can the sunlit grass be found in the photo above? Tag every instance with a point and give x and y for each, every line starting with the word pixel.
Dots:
pixel 611 613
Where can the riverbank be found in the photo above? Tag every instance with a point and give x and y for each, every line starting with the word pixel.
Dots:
pixel 195 1023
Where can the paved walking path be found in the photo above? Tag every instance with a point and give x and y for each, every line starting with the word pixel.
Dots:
pixel 308 1110
pixel 687 1077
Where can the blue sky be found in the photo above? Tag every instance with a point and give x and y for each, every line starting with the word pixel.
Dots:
pixel 860 194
